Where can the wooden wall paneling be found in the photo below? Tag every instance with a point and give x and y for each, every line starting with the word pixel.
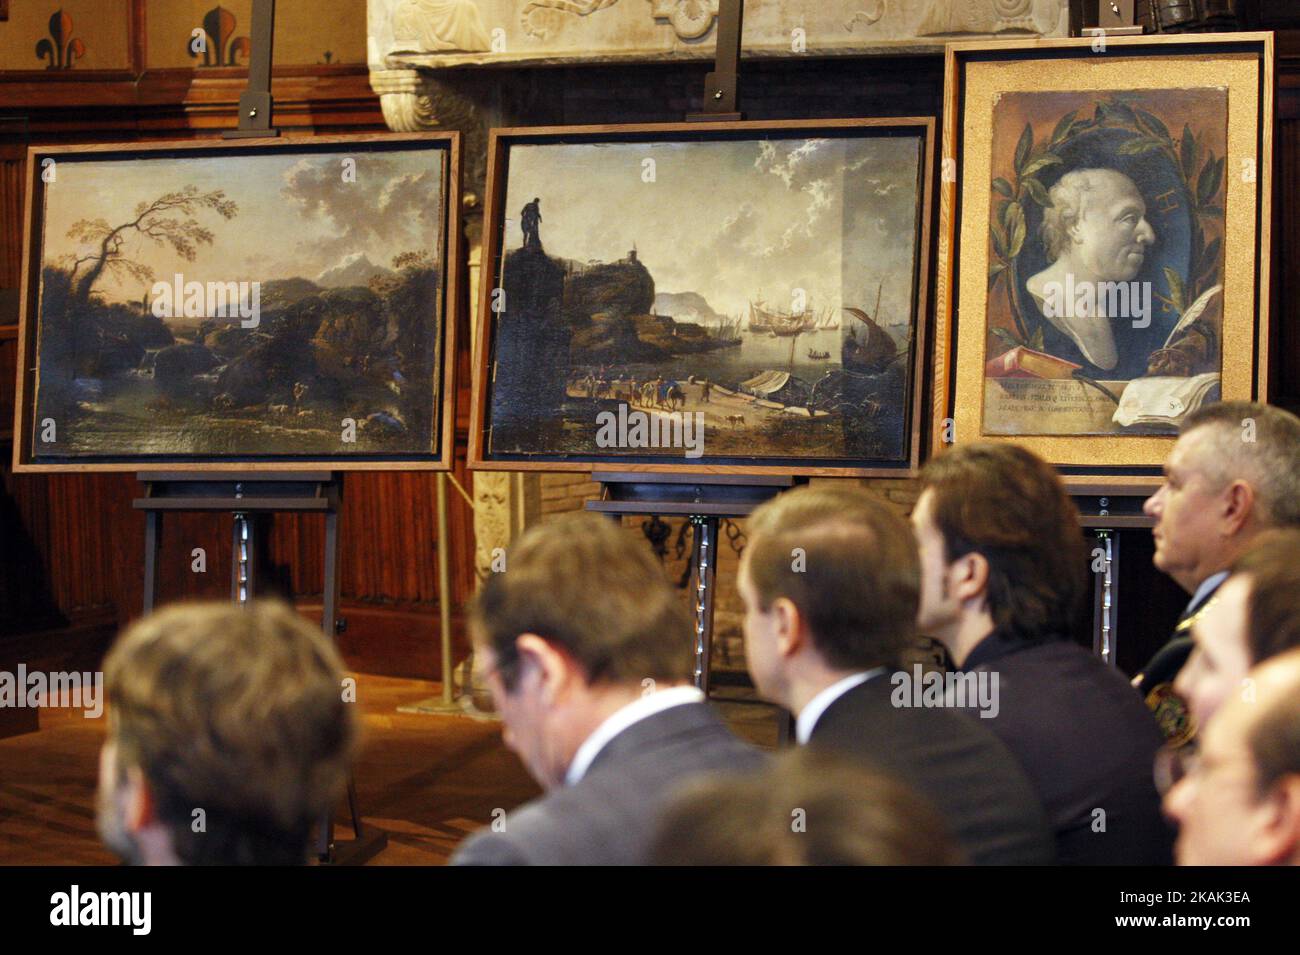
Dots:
pixel 8 369
pixel 137 34
pixel 1285 382
pixel 418 543
pixel 12 162
pixel 26 597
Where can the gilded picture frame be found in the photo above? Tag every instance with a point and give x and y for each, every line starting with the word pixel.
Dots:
pixel 1104 242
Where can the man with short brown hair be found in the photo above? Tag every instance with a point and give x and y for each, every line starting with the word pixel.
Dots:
pixel 228 736
pixel 830 586
pixel 1004 570
pixel 587 652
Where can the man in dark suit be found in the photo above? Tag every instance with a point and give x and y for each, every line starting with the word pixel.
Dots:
pixel 586 650
pixel 1004 571
pixel 830 585
pixel 1234 472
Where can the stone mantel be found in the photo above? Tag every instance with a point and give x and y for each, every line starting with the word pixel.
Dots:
pixel 448 34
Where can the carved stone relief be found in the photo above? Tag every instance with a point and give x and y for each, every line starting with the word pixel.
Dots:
pixel 441 33
pixel 440 25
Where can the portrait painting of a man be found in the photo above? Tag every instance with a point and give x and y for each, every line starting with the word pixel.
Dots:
pixel 1105 261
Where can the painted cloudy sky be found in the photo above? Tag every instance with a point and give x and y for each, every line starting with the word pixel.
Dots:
pixel 297 216
pixel 734 220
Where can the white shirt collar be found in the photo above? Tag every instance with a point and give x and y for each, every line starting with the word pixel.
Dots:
pixel 621 719
pixel 1207 585
pixel 818 705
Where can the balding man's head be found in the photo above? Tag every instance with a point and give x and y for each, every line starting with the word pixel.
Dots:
pixel 1240 804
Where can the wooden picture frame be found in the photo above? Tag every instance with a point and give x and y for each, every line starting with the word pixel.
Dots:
pixel 351 370
pixel 1012 363
pixel 594 322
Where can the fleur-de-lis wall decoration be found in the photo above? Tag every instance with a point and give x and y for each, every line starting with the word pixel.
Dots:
pixel 64 49
pixel 221 46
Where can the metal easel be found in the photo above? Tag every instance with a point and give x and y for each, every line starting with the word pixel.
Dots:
pixel 721 85
pixel 703 499
pixel 255 103
pixel 1107 513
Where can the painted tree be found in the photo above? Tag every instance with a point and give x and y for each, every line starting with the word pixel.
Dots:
pixel 167 221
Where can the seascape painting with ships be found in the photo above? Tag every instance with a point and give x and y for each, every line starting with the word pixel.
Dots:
pixel 762 284
pixel 241 303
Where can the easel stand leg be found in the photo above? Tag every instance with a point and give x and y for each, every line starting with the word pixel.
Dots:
pixel 241 560
pixel 446 702
pixel 704 557
pixel 325 847
pixel 365 843
pixel 1105 594
pixel 152 536
pixel 703 500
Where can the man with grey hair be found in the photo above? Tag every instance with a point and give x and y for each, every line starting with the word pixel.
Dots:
pixel 581 642
pixel 1096 234
pixel 1233 473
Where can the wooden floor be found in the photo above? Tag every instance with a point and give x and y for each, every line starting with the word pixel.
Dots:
pixel 426 780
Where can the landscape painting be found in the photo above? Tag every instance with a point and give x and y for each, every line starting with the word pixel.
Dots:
pixel 741 296
pixel 279 303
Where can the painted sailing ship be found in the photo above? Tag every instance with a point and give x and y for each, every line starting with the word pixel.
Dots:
pixel 827 322
pixel 727 331
pixel 783 324
pixel 873 353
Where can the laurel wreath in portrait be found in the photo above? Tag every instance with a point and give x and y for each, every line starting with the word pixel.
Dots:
pixel 1200 171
